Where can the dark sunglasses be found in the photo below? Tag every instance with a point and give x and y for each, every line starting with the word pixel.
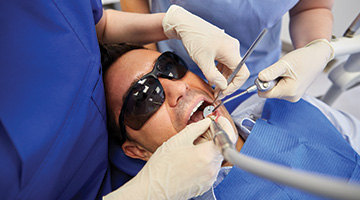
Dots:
pixel 147 95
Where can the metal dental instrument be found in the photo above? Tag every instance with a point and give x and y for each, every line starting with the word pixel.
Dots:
pixel 221 138
pixel 246 56
pixel 354 26
pixel 259 85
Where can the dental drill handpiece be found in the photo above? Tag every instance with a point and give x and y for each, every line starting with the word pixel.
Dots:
pixel 221 138
pixel 258 85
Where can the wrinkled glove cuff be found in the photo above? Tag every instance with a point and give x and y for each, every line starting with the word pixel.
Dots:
pixel 169 26
pixel 332 54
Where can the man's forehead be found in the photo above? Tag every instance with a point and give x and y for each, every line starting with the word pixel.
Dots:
pixel 137 62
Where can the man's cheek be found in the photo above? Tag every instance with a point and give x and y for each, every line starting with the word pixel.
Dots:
pixel 202 85
pixel 163 124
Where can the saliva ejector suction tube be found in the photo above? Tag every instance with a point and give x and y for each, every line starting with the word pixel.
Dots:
pixel 313 183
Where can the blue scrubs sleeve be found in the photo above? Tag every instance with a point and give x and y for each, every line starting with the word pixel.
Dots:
pixel 97 10
pixel 53 137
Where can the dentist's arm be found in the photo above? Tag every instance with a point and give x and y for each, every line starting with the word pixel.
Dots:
pixel 204 42
pixel 177 170
pixel 117 27
pixel 310 30
pixel 137 6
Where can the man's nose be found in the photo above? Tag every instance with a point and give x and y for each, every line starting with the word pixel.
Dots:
pixel 174 90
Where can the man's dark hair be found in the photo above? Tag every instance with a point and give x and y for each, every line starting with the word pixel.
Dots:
pixel 109 54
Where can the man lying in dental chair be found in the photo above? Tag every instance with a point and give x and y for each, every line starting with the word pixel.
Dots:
pixel 146 110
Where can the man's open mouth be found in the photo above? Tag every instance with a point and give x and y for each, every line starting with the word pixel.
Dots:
pixel 197 112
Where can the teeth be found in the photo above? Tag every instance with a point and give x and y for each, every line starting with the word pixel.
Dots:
pixel 196 108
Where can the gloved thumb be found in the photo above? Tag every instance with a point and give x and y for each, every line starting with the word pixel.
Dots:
pixel 239 79
pixel 193 131
pixel 228 59
pixel 274 71
pixel 281 90
pixel 211 72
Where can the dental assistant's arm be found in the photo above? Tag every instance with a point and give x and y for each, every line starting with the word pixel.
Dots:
pixel 137 6
pixel 117 27
pixel 310 30
pixel 310 20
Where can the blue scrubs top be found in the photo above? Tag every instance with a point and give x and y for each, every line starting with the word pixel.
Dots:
pixel 53 138
pixel 243 20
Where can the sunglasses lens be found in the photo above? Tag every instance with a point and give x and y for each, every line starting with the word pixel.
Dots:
pixel 170 65
pixel 143 101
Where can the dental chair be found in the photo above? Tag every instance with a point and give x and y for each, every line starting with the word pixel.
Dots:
pixel 345 73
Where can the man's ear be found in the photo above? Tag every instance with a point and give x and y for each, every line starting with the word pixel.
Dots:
pixel 134 150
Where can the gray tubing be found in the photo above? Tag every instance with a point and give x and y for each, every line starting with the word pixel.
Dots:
pixel 332 94
pixel 313 183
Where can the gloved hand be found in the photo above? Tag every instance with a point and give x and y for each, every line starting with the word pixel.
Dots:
pixel 177 170
pixel 225 125
pixel 206 43
pixel 298 70
pixel 228 128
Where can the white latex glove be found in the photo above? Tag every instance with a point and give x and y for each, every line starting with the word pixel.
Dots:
pixel 177 170
pixel 206 43
pixel 298 70
pixel 228 128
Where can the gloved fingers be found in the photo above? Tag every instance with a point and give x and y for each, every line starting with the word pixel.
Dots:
pixel 172 19
pixel 208 155
pixel 229 57
pixel 228 128
pixel 211 73
pixel 216 93
pixel 209 160
pixel 283 91
pixel 271 73
pixel 239 79
pixel 287 87
pixel 274 71
pixel 229 53
pixel 298 70
pixel 212 152
pixel 189 134
pixel 207 136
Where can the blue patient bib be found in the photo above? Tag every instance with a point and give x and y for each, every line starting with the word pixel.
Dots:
pixel 296 135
